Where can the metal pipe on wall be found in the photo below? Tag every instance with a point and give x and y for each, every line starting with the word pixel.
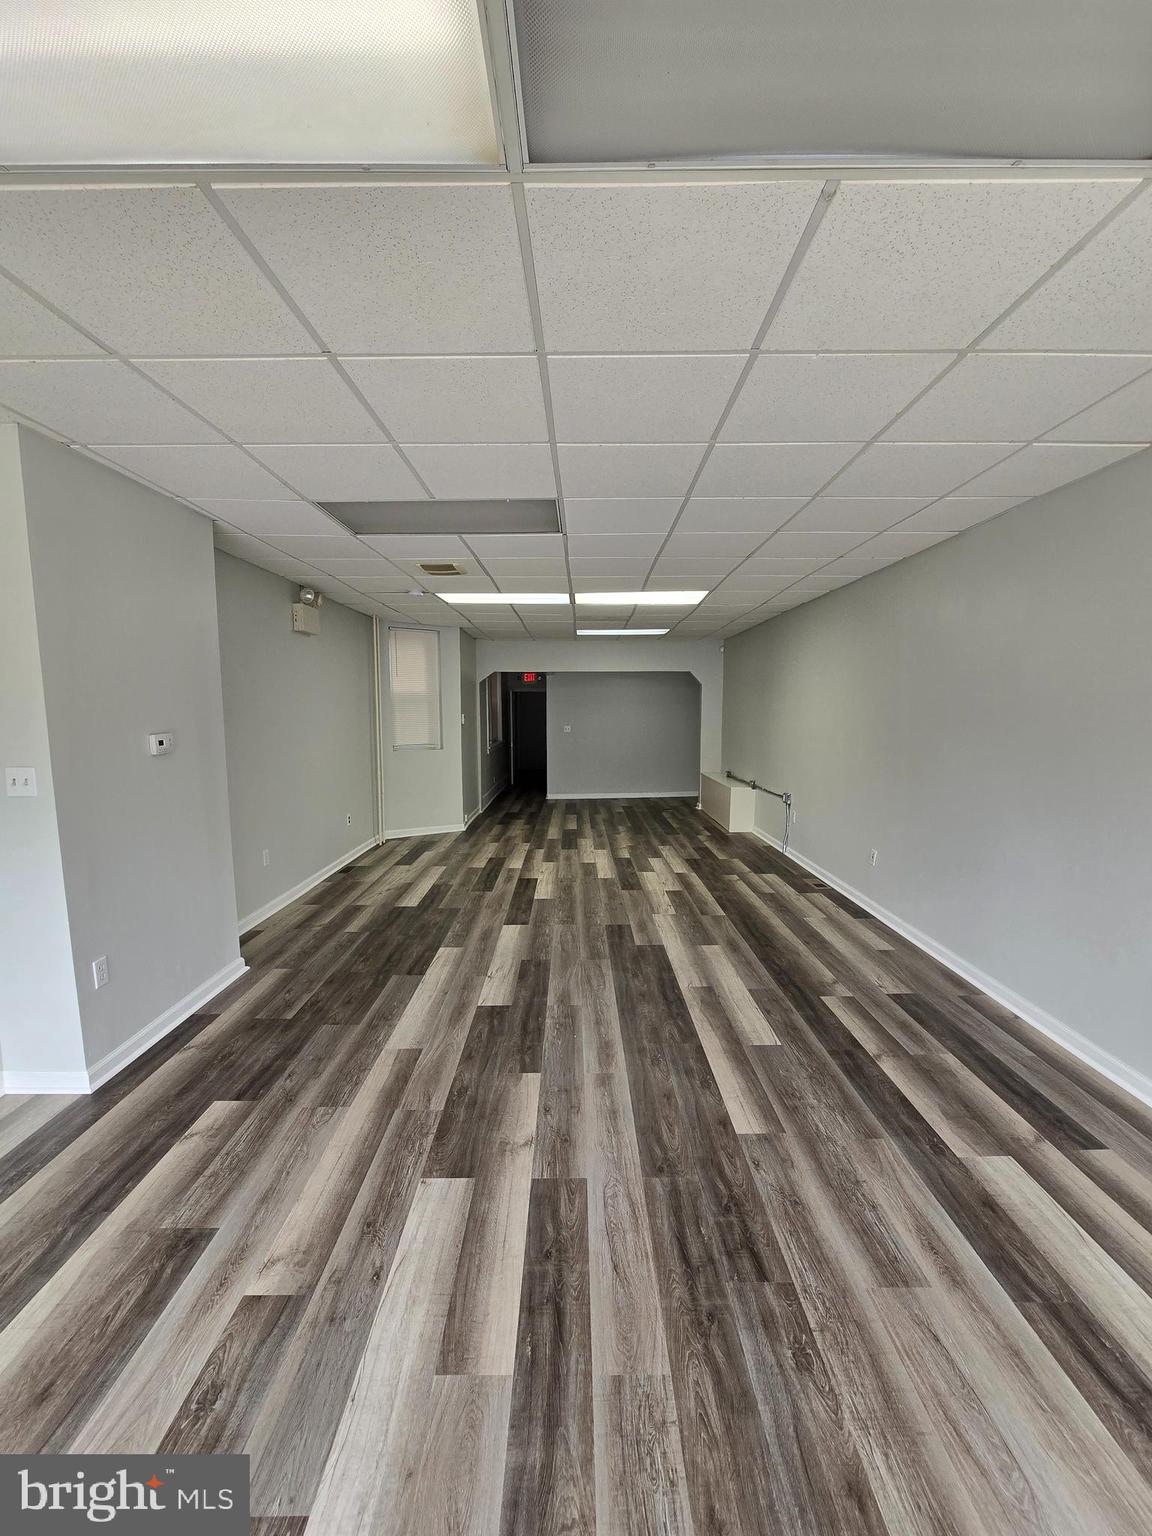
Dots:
pixel 777 794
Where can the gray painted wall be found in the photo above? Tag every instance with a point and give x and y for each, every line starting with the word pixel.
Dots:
pixel 630 733
pixel 298 723
pixel 703 658
pixel 125 599
pixel 39 1008
pixel 981 715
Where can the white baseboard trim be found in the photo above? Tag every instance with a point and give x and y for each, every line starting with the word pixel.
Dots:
pixel 394 832
pixel 1119 1072
pixel 692 793
pixel 44 1082
pixel 270 908
pixel 497 789
pixel 116 1060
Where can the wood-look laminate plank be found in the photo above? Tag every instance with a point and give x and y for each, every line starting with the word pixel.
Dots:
pixel 595 1172
pixel 549 1478
pixel 379 1437
pixel 641 1485
pixel 480 1327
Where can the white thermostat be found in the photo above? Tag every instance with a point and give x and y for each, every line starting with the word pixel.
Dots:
pixel 160 743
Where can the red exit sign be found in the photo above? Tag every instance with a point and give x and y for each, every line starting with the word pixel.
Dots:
pixel 529 677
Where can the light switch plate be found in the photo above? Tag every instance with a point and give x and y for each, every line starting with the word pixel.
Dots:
pixel 20 779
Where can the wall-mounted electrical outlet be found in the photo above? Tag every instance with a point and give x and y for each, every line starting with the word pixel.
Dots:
pixel 267 858
pixel 349 821
pixel 100 972
pixel 872 857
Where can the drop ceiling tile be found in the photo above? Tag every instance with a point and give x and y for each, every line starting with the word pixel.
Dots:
pixel 1125 417
pixel 98 402
pixel 466 470
pixel 821 583
pixel 737 599
pixel 772 469
pixel 307 546
pixel 269 400
pixel 1012 395
pixel 930 264
pixel 27 329
pixel 738 514
pixel 413 566
pixel 614 545
pixel 609 565
pixel 392 581
pixel 517 546
pixel 393 269
pixel 350 566
pixel 897 544
pixel 268 518
pixel 700 565
pixel 789 545
pixel 854 565
pixel 196 470
pixel 955 513
pixel 508 572
pixel 917 469
pixel 521 581
pixel 779 565
pixel 664 399
pixel 844 397
pixel 713 543
pixel 455 399
pixel 662 268
pixel 617 470
pixel 147 269
pixel 1100 299
pixel 850 514
pixel 1044 466
pixel 654 514
pixel 471 581
pixel 417 546
pixel 342 471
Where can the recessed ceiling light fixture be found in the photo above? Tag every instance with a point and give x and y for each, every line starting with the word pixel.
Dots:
pixel 621 631
pixel 642 599
pixel 507 599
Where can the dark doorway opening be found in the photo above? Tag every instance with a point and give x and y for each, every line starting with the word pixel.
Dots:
pixel 530 737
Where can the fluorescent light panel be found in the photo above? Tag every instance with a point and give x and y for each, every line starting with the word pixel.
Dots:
pixel 504 599
pixel 209 81
pixel 621 631
pixel 642 599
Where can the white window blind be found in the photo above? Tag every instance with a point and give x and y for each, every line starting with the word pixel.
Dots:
pixel 414 673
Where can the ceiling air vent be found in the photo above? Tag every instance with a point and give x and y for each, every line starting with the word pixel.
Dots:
pixel 441 568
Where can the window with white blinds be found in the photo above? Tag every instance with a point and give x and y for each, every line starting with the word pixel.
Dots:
pixel 414 676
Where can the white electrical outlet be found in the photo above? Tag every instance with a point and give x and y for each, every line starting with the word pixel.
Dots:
pixel 267 858
pixel 567 730
pixel 349 821
pixel 100 972
pixel 20 780
pixel 872 857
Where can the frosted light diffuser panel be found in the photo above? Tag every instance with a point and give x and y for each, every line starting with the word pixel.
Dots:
pixel 177 82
